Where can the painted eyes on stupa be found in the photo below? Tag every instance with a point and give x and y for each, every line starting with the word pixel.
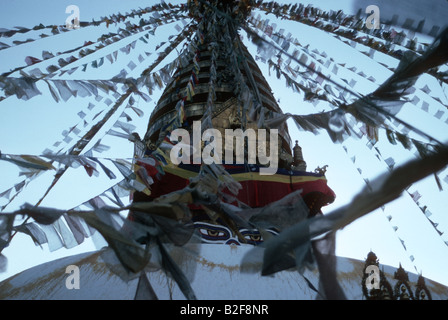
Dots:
pixel 251 236
pixel 213 233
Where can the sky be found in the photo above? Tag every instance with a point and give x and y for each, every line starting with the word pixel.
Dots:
pixel 29 127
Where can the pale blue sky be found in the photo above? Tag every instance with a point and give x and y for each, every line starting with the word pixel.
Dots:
pixel 31 126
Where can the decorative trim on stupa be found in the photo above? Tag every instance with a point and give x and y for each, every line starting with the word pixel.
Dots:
pixel 376 286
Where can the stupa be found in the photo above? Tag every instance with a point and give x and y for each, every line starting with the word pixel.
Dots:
pixel 219 219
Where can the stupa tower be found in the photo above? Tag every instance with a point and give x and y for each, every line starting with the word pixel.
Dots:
pixel 218 82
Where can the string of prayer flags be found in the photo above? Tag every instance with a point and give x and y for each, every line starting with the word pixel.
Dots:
pixel 119 97
pixel 372 118
pixel 91 133
pixel 26 89
pixel 415 196
pixel 28 161
pixel 342 25
pixel 115 18
pixel 389 163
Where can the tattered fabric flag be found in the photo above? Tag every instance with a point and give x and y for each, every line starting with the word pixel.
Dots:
pixel 439 184
pixel 144 289
pixel 88 165
pixel 125 115
pixel 53 239
pixel 439 114
pixel 82 88
pixel 415 196
pixel 28 161
pixel 41 215
pixel 19 186
pixel 24 87
pixel 6 193
pixel 67 237
pixel 110 58
pixel 124 168
pixel 99 147
pixel 126 127
pixel 78 228
pixel 119 134
pixel 64 90
pixel 34 231
pixel 132 65
pixel 129 252
pixel 138 111
pixel 106 170
pixel 31 60
pixel 6 224
pixel 4 45
pixel 190 91
pixel 170 265
pixel 53 92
